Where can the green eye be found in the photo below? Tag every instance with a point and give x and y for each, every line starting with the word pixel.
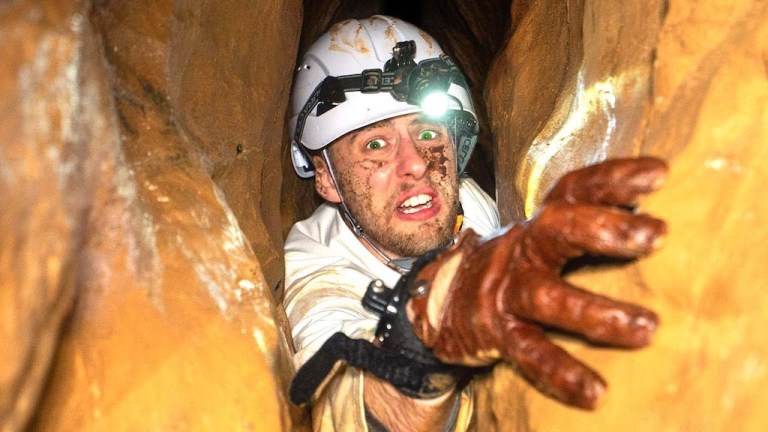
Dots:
pixel 375 144
pixel 427 135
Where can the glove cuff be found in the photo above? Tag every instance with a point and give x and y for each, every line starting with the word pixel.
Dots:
pixel 432 287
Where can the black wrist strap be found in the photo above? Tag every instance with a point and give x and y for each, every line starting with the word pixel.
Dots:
pixel 401 359
pixel 409 376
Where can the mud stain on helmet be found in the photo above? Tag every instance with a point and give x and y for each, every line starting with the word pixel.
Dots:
pixel 342 38
pixel 430 43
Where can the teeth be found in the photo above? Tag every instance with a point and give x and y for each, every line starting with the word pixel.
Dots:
pixel 409 206
pixel 416 200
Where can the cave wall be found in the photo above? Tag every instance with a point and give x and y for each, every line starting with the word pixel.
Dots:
pixel 570 96
pixel 686 81
pixel 139 260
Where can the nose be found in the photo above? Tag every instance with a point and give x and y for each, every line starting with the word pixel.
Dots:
pixel 410 161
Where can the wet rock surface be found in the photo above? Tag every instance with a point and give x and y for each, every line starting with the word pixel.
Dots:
pixel 681 80
pixel 131 168
pixel 44 183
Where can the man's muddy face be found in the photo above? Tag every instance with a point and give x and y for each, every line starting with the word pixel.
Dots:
pixel 398 178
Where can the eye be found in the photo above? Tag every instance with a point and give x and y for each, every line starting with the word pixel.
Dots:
pixel 427 135
pixel 375 144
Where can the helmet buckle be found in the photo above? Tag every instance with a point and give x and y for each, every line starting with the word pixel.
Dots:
pixel 331 94
pixel 371 81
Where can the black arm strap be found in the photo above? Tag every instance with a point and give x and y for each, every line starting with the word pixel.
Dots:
pixel 401 359
pixel 407 375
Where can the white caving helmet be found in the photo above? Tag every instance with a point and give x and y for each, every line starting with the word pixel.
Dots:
pixel 364 71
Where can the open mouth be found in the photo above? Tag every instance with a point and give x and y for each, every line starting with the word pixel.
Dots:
pixel 415 204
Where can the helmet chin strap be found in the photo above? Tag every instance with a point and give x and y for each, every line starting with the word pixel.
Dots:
pixel 400 265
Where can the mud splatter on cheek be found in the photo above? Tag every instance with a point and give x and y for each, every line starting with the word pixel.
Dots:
pixel 369 166
pixel 436 159
pixel 355 180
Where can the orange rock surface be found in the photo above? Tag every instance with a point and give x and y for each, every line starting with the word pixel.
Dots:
pixel 132 297
pixel 685 81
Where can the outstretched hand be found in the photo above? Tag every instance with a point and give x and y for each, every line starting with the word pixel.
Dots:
pixel 489 299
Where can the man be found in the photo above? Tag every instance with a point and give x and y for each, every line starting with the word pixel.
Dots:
pixel 385 123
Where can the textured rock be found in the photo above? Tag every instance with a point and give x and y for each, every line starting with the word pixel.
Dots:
pixel 46 95
pixel 576 72
pixel 686 81
pixel 127 143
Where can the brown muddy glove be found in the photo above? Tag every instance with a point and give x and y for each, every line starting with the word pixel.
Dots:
pixel 488 299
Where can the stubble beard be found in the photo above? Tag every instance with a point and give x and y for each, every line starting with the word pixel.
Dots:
pixel 383 229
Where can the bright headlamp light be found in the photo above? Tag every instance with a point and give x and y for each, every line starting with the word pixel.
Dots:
pixel 425 84
pixel 438 103
pixel 435 104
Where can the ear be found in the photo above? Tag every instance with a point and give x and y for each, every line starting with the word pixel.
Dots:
pixel 323 182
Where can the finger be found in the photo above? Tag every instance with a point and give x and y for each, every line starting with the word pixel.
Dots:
pixel 553 302
pixel 551 369
pixel 614 182
pixel 563 231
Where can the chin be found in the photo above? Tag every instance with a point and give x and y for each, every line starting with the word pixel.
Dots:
pixel 418 242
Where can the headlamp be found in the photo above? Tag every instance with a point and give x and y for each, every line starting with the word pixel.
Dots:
pixel 434 104
pixel 425 84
